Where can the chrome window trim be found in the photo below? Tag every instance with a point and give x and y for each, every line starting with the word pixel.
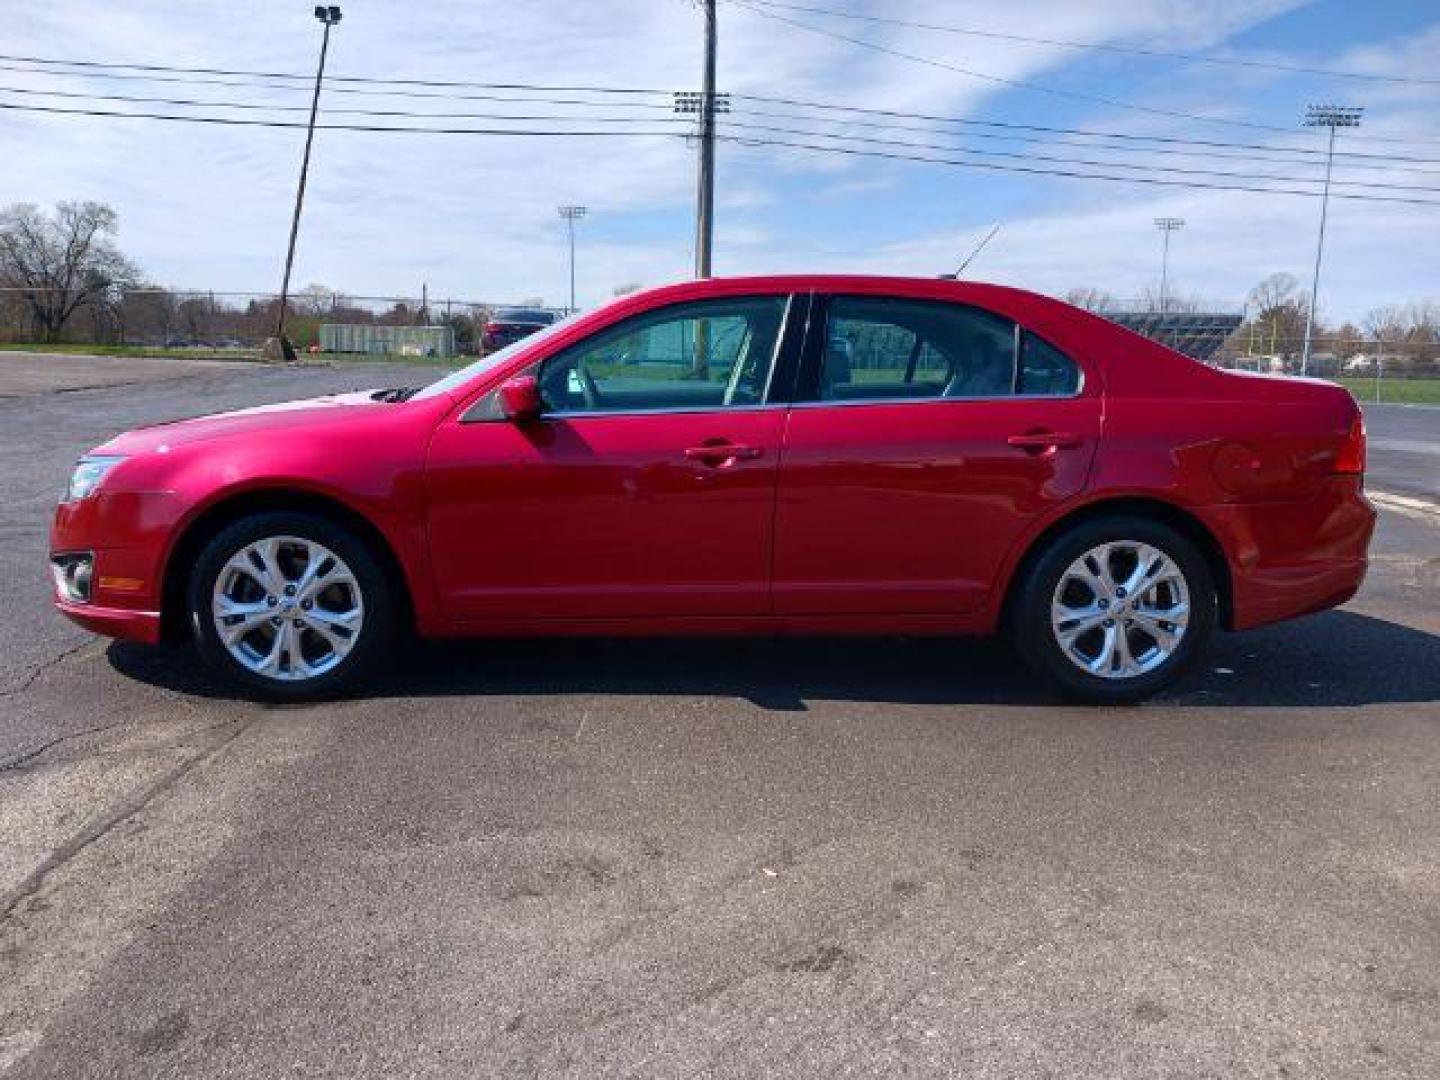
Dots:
pixel 679 410
pixel 833 402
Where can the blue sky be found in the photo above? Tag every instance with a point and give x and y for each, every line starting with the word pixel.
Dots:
pixel 474 216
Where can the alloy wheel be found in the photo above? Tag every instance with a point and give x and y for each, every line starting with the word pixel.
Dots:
pixel 287 608
pixel 1120 610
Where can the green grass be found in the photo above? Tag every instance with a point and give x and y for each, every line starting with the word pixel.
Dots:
pixel 234 354
pixel 134 350
pixel 1394 391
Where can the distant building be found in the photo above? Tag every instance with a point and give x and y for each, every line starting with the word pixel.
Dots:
pixel 373 340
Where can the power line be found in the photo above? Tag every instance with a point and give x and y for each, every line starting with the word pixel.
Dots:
pixel 523 92
pixel 394 113
pixel 1164 151
pixel 333 78
pixel 515 92
pixel 589 118
pixel 1149 167
pixel 1169 140
pixel 573 133
pixel 1159 54
pixel 1148 180
pixel 231 121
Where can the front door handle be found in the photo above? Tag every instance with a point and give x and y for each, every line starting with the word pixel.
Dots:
pixel 1041 441
pixel 719 453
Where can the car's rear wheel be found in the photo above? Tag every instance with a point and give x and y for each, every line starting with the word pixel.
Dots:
pixel 289 606
pixel 1115 609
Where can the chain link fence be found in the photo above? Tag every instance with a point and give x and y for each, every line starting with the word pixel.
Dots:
pixel 215 323
pixel 1398 372
pixel 236 324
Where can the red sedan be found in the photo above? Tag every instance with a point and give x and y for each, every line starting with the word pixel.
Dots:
pixel 810 455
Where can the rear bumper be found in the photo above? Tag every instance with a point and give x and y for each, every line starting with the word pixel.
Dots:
pixel 1291 559
pixel 142 626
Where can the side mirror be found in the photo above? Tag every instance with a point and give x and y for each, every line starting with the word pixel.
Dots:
pixel 520 399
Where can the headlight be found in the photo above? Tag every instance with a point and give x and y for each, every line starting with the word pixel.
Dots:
pixel 89 471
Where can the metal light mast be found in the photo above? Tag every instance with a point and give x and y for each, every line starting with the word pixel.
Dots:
pixel 572 214
pixel 329 17
pixel 1166 225
pixel 1333 117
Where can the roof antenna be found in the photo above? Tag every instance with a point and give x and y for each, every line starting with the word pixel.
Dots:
pixel 971 257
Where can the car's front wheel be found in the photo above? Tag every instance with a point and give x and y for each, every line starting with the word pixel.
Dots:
pixel 1115 609
pixel 289 606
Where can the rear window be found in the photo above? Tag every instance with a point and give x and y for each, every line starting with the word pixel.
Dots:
pixel 1044 370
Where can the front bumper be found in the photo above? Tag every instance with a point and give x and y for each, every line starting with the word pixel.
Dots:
pixel 122 623
pixel 125 533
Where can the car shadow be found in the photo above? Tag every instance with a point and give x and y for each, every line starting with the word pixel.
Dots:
pixel 1338 658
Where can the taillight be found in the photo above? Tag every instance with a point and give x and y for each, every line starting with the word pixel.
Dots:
pixel 1351 458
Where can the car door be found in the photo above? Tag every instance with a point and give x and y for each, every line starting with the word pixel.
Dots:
pixel 646 487
pixel 926 437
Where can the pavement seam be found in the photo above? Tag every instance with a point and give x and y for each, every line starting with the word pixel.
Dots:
pixel 101 826
pixel 1404 503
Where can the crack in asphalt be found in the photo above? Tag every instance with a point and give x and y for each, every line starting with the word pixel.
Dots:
pixel 103 824
pixel 20 760
pixel 28 680
pixel 19 763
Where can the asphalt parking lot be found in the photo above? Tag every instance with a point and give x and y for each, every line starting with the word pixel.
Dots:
pixel 631 858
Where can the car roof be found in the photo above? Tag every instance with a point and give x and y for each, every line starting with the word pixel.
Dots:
pixel 900 285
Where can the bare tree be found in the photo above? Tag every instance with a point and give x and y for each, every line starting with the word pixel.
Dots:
pixel 1280 313
pixel 1172 303
pixel 1275 291
pixel 1388 327
pixel 60 263
pixel 1090 298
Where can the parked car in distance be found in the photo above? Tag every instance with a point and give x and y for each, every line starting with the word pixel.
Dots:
pixel 505 326
pixel 800 454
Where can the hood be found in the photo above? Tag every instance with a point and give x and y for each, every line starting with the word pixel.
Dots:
pixel 261 419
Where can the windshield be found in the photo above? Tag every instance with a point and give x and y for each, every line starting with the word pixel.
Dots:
pixel 493 360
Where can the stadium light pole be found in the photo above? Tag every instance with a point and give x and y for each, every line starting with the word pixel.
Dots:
pixel 329 17
pixel 572 214
pixel 1166 225
pixel 1333 117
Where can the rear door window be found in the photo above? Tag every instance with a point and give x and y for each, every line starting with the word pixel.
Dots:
pixel 880 348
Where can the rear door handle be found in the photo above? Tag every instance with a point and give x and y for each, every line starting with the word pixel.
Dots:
pixel 1044 440
pixel 719 453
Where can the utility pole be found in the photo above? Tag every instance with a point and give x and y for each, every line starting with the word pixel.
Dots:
pixel 705 196
pixel 329 16
pixel 1332 117
pixel 1166 225
pixel 572 214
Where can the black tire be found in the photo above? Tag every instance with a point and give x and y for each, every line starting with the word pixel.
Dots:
pixel 370 645
pixel 1029 617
